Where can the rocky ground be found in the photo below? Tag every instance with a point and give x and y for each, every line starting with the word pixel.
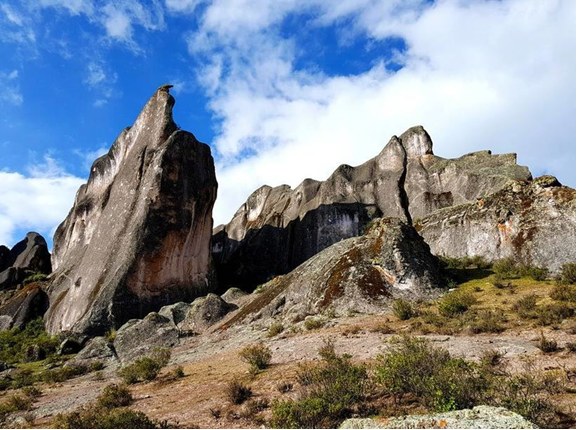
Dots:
pixel 211 360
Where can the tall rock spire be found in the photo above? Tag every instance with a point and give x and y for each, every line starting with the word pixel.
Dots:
pixel 138 235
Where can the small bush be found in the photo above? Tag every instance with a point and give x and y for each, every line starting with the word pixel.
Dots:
pixel 94 417
pixel 403 309
pixel 111 335
pixel 563 293
pixel 465 263
pixel 64 373
pixel 525 305
pixel 547 345
pixel 487 321
pixel 536 273
pixel 334 388
pixel 492 357
pixel 95 366
pixel 284 387
pixel 570 346
pixel 554 313
pixel 253 407
pixel 567 275
pixel 36 277
pixel 31 392
pixel 237 392
pixel 313 323
pixel 114 396
pixel 145 368
pixel 506 268
pixel 382 328
pixel 275 329
pixel 15 343
pixel 178 372
pixel 456 303
pixel 258 356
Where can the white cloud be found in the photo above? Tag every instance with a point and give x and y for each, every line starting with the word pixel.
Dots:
pixel 10 88
pixel 477 74
pixel 37 201
pixel 88 157
pixel 182 5
pixel 100 80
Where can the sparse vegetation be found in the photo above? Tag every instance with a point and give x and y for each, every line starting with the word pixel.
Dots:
pixel 35 277
pixel 237 392
pixel 508 268
pixel 314 323
pixel 114 396
pixel 15 343
pixel 456 303
pixel 145 368
pixel 332 390
pixel 547 345
pixel 275 329
pixel 567 275
pixel 178 372
pixel 476 261
pixel 485 321
pixel 95 417
pixel 258 356
pixel 563 293
pixel 404 309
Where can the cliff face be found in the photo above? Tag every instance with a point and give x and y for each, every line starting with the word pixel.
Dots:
pixel 138 235
pixel 530 221
pixel 279 228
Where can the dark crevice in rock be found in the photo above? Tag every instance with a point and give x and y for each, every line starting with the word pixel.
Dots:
pixel 403 192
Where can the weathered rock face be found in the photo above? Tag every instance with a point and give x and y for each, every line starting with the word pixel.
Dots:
pixel 138 235
pixel 363 273
pixel 279 228
pixel 26 257
pixel 138 338
pixel 97 349
pixel 27 304
pixel 531 221
pixel 204 312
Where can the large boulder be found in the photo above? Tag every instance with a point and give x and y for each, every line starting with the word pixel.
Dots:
pixel 480 417
pixel 139 338
pixel 279 228
pixel 138 235
pixel 205 312
pixel 27 304
pixel 363 274
pixel 29 256
pixel 97 349
pixel 530 221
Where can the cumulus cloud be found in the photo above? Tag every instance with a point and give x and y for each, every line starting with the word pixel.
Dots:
pixel 38 200
pixel 477 74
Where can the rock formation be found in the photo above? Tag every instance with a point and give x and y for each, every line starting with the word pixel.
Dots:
pixel 530 221
pixel 279 228
pixel 138 235
pixel 361 273
pixel 29 256
pixel 27 304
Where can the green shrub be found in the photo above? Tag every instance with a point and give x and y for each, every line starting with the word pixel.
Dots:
pixel 492 357
pixel 258 356
pixel 526 305
pixel 95 366
pixel 456 303
pixel 114 396
pixel 61 374
pixel 506 268
pixel 238 392
pixel 465 263
pixel 14 343
pixel 403 309
pixel 547 345
pixel 313 323
pixel 178 372
pixel 31 392
pixel 145 368
pixel 554 313
pixel 487 321
pixel 438 381
pixel 36 277
pixel 94 417
pixel 567 275
pixel 334 388
pixel 110 335
pixel 275 329
pixel 563 292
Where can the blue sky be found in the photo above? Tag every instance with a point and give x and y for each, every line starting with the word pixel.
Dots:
pixel 280 89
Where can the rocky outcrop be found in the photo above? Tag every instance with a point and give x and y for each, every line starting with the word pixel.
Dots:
pixel 530 221
pixel 27 304
pixel 480 417
pixel 362 274
pixel 138 338
pixel 27 257
pixel 279 228
pixel 97 349
pixel 138 235
pixel 205 312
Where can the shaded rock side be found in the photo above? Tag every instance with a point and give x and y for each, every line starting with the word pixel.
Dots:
pixel 97 349
pixel 204 312
pixel 363 273
pixel 138 235
pixel 139 338
pixel 480 417
pixel 28 256
pixel 27 304
pixel 530 221
pixel 279 228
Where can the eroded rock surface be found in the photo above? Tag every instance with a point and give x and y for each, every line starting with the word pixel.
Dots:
pixel 362 274
pixel 204 312
pixel 279 228
pixel 138 235
pixel 27 304
pixel 531 221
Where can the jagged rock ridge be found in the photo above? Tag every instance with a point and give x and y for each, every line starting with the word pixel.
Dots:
pixel 28 256
pixel 138 234
pixel 279 228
